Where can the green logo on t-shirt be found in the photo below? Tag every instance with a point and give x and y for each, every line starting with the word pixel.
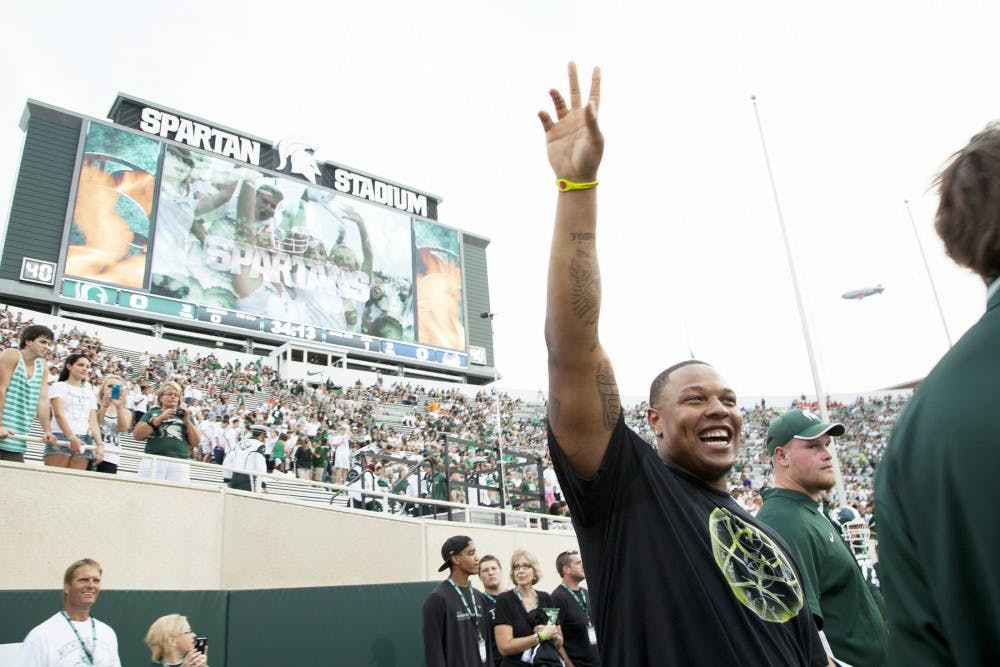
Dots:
pixel 759 573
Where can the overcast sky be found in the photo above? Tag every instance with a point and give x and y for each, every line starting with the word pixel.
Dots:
pixel 861 104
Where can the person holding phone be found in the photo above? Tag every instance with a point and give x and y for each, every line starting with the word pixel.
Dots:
pixel 173 643
pixel 113 417
pixel 168 431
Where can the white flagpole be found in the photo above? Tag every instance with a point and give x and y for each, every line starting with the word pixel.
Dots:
pixel 927 268
pixel 817 382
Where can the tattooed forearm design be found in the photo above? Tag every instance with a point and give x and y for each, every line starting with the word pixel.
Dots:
pixel 585 285
pixel 607 387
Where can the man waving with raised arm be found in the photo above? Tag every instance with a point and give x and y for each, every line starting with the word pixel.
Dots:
pixel 680 574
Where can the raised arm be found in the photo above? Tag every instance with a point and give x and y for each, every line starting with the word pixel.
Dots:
pixel 583 396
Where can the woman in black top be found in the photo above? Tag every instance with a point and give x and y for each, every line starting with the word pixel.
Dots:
pixel 527 629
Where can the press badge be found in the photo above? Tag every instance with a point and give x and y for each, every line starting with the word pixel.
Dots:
pixel 592 635
pixel 482 650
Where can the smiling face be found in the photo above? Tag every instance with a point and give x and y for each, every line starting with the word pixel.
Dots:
pixel 84 586
pixel 697 423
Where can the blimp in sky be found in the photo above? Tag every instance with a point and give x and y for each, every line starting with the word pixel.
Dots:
pixel 859 294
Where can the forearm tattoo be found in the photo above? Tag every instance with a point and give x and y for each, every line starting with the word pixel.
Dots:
pixel 585 284
pixel 607 387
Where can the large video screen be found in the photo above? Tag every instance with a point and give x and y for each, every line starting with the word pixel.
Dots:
pixel 110 228
pixel 226 237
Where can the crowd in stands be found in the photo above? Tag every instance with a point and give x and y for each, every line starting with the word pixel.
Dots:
pixel 403 425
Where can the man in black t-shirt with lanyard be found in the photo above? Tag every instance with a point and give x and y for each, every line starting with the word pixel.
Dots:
pixel 456 626
pixel 680 574
pixel 491 576
pixel 580 637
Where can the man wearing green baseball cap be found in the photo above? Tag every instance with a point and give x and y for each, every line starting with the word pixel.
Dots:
pixel 844 608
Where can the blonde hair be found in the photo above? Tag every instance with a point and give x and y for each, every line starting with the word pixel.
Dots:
pixel 170 384
pixel 530 557
pixel 71 570
pixel 161 630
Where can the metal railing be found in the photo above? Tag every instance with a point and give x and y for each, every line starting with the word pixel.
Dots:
pixel 284 486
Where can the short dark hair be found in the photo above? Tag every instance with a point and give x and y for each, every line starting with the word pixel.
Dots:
pixel 660 381
pixel 562 560
pixel 71 570
pixel 35 331
pixel 968 215
pixel 487 558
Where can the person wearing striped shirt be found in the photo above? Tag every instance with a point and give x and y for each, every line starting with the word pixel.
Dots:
pixel 24 391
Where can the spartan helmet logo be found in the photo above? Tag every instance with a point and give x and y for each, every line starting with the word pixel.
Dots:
pixel 809 415
pixel 301 154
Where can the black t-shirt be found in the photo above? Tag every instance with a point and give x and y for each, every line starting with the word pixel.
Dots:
pixel 491 616
pixel 576 606
pixel 510 611
pixel 451 633
pixel 679 573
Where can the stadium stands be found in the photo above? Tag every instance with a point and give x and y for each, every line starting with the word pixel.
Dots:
pixel 403 423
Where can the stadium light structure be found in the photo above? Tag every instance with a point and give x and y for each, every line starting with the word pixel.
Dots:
pixel 927 268
pixel 817 382
pixel 486 315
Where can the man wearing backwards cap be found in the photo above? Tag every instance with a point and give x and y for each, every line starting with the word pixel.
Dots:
pixel 456 628
pixel 840 600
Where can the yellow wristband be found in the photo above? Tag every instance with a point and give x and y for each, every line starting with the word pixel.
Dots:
pixel 541 637
pixel 565 185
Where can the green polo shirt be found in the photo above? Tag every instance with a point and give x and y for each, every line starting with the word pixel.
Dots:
pixel 938 519
pixel 838 595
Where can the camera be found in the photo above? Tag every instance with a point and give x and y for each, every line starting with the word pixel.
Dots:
pixel 200 644
pixel 179 413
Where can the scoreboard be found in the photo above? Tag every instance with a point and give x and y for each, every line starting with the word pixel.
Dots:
pixel 141 302
pixel 162 216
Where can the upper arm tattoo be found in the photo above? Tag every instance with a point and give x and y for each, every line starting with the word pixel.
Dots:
pixel 611 403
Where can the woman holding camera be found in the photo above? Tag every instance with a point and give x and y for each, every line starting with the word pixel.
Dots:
pixel 173 643
pixel 168 431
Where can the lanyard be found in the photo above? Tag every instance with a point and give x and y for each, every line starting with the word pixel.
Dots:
pixel 582 600
pixel 517 592
pixel 93 635
pixel 471 612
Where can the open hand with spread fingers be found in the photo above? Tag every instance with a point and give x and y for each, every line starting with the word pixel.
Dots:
pixel 574 140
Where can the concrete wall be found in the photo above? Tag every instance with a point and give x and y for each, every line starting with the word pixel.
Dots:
pixel 164 536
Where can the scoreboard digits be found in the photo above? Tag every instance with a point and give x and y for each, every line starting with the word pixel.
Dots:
pixel 215 317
